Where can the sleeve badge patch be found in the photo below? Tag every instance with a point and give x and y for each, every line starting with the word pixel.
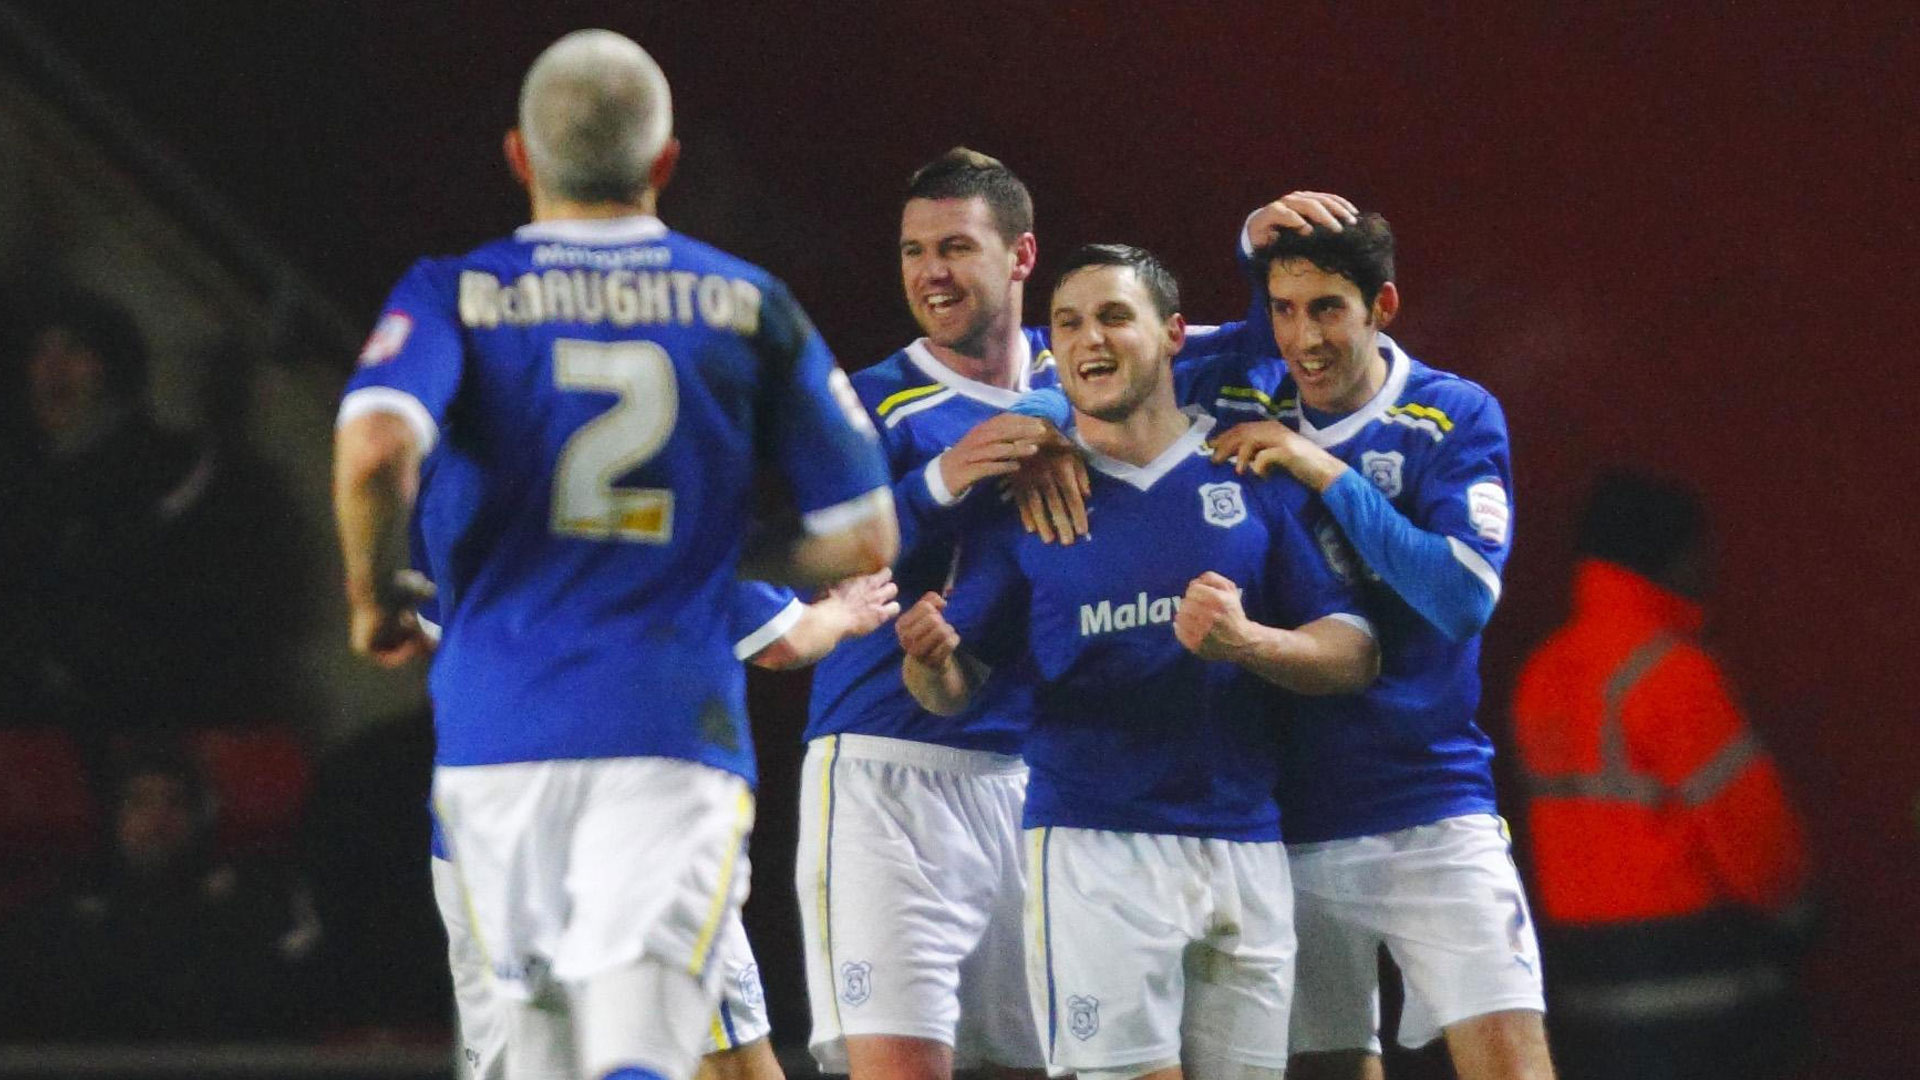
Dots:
pixel 389 335
pixel 1488 512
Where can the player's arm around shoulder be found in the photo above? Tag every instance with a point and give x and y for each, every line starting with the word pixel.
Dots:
pixel 1328 655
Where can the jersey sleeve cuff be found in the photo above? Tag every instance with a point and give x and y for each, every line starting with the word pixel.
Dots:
pixel 845 515
pixel 1358 622
pixel 771 631
pixel 937 484
pixel 1246 235
pixel 1477 565
pixel 373 399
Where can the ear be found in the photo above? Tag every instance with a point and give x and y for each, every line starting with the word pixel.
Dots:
pixel 1026 255
pixel 662 169
pixel 1387 304
pixel 1176 332
pixel 515 149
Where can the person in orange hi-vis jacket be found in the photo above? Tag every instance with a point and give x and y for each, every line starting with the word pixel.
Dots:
pixel 1670 870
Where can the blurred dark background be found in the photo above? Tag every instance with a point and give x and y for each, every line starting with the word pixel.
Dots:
pixel 1679 240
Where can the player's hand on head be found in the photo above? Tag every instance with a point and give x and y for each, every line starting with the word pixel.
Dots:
pixel 995 447
pixel 1211 622
pixel 1301 212
pixel 866 602
pixel 924 632
pixel 1050 489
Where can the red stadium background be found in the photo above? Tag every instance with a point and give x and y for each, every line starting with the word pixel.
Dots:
pixel 1680 240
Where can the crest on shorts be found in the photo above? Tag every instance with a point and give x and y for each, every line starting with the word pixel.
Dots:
pixel 1083 1016
pixel 856 982
pixel 749 982
pixel 1383 470
pixel 1222 505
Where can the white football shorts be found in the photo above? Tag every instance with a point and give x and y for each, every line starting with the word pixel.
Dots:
pixel 740 1019
pixel 483 1036
pixel 573 868
pixel 910 882
pixel 1145 949
pixel 1446 901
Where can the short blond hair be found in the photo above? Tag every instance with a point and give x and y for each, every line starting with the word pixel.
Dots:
pixel 595 112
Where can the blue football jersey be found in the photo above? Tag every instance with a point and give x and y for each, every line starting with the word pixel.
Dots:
pixel 1131 732
pixel 760 615
pixel 921 407
pixel 1407 751
pixel 608 391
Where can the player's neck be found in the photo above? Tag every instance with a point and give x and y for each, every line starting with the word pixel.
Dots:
pixel 996 359
pixel 550 208
pixel 1140 436
pixel 1360 392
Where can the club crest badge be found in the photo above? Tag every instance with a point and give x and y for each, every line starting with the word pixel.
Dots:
pixel 389 334
pixel 749 983
pixel 1221 504
pixel 1083 1016
pixel 1383 470
pixel 856 982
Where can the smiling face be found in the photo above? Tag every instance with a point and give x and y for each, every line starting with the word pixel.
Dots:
pixel 961 276
pixel 1110 344
pixel 1328 334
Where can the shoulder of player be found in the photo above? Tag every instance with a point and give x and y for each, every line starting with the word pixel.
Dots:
pixel 893 383
pixel 1277 493
pixel 1040 372
pixel 1440 403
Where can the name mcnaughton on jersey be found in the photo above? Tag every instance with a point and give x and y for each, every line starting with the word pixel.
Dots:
pixel 1105 618
pixel 620 297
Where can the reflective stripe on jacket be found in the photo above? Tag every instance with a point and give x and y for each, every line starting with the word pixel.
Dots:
pixel 1650 798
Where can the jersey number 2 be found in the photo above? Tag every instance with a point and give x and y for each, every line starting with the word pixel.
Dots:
pixel 587 503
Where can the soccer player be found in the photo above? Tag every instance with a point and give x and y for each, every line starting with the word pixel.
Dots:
pixel 613 387
pixel 909 863
pixel 1391 825
pixel 1160 931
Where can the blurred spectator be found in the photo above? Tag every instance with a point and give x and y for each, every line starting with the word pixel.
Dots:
pixel 163 940
pixel 1669 867
pixel 142 573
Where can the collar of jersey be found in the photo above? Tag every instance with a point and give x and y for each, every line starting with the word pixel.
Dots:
pixel 631 229
pixel 1376 407
pixel 1145 476
pixel 997 396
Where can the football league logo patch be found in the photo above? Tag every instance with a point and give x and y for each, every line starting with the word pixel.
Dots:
pixel 1488 511
pixel 1383 470
pixel 1083 1016
pixel 1222 505
pixel 389 335
pixel 856 982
